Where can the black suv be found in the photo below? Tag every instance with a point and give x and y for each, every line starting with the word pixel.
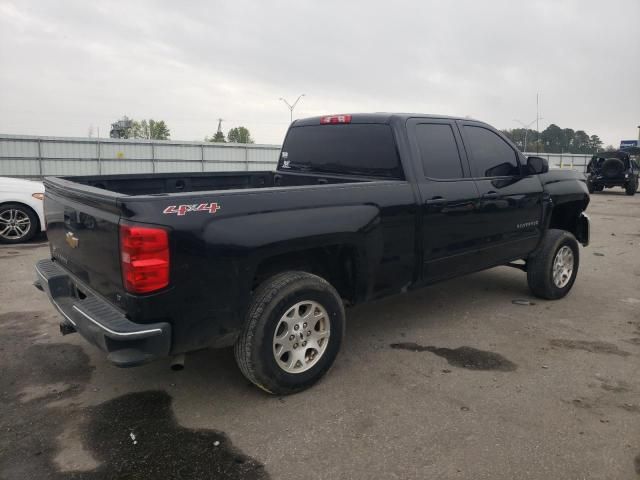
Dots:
pixel 613 169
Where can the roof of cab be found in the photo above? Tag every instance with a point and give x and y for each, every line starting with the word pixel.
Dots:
pixel 378 117
pixel 620 154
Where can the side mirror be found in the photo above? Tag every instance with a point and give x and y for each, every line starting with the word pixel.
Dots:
pixel 537 165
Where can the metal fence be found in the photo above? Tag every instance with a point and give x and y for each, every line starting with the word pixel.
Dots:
pixel 36 157
pixel 564 160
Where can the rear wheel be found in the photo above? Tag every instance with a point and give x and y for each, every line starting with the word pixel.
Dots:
pixel 631 187
pixel 18 223
pixel 552 269
pixel 293 332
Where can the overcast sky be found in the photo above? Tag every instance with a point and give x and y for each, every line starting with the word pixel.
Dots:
pixel 69 65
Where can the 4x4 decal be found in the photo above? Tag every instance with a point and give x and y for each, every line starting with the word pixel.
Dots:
pixel 181 210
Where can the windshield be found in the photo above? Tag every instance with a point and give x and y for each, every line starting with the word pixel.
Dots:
pixel 357 149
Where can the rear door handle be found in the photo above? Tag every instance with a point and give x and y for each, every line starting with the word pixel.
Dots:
pixel 436 201
pixel 491 196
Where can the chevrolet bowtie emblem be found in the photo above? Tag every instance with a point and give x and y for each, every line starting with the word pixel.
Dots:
pixel 71 240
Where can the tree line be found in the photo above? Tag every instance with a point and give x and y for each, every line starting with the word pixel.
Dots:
pixel 235 135
pixel 554 139
pixel 158 130
pixel 144 129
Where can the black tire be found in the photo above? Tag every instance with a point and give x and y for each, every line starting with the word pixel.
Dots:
pixel 599 188
pixel 11 236
pixel 630 188
pixel 540 265
pixel 254 350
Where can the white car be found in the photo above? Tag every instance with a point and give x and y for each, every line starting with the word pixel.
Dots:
pixel 21 212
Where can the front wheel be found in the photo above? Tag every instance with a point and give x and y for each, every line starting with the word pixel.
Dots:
pixel 293 332
pixel 552 268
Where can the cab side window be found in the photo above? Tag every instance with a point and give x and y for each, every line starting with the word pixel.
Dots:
pixel 491 156
pixel 438 151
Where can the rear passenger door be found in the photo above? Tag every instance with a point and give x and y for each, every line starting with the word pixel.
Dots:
pixel 511 200
pixel 448 196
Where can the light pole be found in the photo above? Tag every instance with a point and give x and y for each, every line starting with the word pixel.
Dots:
pixel 291 107
pixel 526 127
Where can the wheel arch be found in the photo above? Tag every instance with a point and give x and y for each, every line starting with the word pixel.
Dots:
pixel 569 216
pixel 343 265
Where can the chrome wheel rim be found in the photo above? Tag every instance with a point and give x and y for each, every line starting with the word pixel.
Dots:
pixel 14 224
pixel 563 267
pixel 301 337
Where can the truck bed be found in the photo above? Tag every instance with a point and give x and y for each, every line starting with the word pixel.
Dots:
pixel 159 184
pixel 215 223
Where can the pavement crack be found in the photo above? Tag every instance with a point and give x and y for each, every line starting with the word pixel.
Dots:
pixel 589 346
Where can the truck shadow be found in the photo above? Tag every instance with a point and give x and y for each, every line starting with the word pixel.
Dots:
pixel 385 321
pixel 619 192
pixel 447 302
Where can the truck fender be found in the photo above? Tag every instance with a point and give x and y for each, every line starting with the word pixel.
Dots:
pixel 269 234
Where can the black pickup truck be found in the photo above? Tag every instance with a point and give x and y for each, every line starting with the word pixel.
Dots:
pixel 360 206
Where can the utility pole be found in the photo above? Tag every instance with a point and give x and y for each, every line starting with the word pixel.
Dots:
pixel 537 124
pixel 219 136
pixel 291 106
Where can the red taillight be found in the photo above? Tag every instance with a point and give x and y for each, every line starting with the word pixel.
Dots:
pixel 144 257
pixel 335 119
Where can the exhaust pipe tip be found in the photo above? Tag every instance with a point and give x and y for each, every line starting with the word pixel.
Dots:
pixel 177 363
pixel 67 328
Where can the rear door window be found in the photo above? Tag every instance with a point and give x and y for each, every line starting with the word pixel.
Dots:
pixel 357 149
pixel 491 156
pixel 438 151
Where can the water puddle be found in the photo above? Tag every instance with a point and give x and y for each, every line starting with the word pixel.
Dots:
pixel 134 436
pixel 463 357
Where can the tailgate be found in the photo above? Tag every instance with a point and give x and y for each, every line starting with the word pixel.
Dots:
pixel 82 227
